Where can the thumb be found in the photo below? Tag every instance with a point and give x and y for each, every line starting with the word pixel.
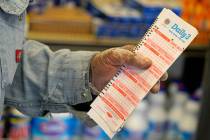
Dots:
pixel 120 56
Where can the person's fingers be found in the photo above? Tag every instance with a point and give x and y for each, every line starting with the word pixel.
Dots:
pixel 155 89
pixel 138 57
pixel 131 48
pixel 128 47
pixel 118 57
pixel 141 61
pixel 164 77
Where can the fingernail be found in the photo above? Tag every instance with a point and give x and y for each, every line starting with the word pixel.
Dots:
pixel 156 88
pixel 147 62
pixel 164 77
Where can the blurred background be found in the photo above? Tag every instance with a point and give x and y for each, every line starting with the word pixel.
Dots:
pixel 176 113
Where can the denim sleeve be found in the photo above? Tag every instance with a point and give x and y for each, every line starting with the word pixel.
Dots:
pixel 50 81
pixel 60 77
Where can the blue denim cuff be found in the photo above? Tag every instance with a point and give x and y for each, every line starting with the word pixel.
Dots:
pixel 77 88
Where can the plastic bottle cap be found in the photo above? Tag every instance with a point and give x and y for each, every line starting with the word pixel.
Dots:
pixel 142 107
pixel 173 88
pixel 188 124
pixel 158 99
pixel 136 123
pixel 180 98
pixel 176 114
pixel 192 106
pixel 157 114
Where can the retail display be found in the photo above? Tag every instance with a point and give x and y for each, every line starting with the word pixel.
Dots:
pixel 114 19
pixel 61 20
pixel 151 9
pixel 126 19
pixel 177 122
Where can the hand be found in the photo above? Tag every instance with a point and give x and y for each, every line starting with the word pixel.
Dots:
pixel 104 65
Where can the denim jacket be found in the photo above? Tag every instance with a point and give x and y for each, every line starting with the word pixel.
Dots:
pixel 44 80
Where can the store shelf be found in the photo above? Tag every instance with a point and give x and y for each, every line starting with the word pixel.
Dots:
pixel 90 40
pixel 78 39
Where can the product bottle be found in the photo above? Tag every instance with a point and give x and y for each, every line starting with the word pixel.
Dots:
pixel 137 123
pixel 175 115
pixel 173 87
pixel 93 133
pixel 188 123
pixel 157 117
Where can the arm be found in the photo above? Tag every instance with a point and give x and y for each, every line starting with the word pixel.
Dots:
pixel 50 81
pixel 59 81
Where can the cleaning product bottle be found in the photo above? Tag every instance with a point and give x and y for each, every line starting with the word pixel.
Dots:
pixel 188 123
pixel 175 115
pixel 157 117
pixel 137 123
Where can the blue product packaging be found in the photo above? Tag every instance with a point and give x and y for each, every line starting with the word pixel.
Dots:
pixel 54 129
pixel 135 31
pixel 103 136
pixel 155 131
pixel 133 4
pixel 185 136
pixel 135 135
pixel 172 131
pixel 94 11
pixel 91 133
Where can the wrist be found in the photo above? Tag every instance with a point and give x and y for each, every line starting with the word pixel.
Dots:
pixel 93 89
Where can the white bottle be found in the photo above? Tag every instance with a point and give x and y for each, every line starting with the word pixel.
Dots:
pixel 175 115
pixel 173 88
pixel 188 124
pixel 157 117
pixel 142 108
pixel 136 127
pixel 193 106
pixel 157 99
pixel 176 88
pixel 181 97
pixel 137 123
pixel 198 93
